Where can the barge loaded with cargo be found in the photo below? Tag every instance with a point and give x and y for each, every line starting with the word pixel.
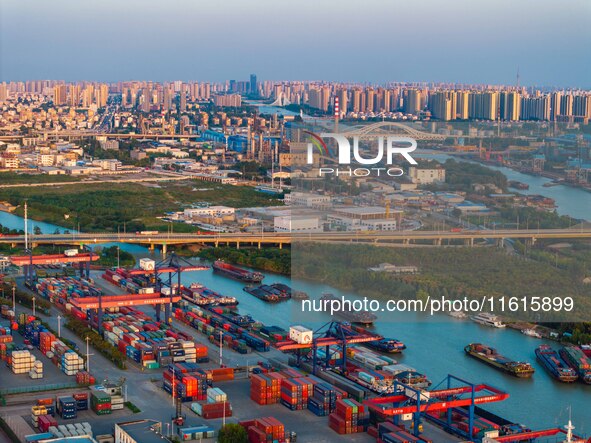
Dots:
pixel 491 357
pixel 385 345
pixel 237 273
pixel 555 365
pixel 577 360
pixel 200 295
pixel 351 316
pixel 269 293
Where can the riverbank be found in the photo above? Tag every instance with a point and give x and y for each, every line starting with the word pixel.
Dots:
pixel 268 259
pixel 555 179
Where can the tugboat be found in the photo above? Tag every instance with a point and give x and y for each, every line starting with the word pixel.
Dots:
pixel 491 357
pixel 555 365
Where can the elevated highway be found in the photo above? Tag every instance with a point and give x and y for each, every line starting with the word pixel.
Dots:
pixel 279 238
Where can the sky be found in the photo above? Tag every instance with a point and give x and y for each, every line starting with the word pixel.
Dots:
pixel 369 41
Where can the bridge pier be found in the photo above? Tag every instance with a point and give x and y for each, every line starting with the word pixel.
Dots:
pixel 406 241
pixel 259 245
pixel 469 242
pixel 164 250
pixel 237 245
pixel 437 242
pixel 217 244
pixel 151 247
pixel 280 245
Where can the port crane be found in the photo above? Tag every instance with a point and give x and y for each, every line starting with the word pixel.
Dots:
pixel 333 333
pixel 417 402
pixel 29 261
pixel 173 266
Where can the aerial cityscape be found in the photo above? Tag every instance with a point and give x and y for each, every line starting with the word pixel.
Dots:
pixel 200 242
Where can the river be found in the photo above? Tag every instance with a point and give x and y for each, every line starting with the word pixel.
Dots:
pixel 572 201
pixel 435 345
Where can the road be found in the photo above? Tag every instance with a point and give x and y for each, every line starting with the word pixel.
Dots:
pixel 286 238
pixel 114 179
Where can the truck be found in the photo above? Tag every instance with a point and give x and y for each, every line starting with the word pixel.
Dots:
pixel 71 252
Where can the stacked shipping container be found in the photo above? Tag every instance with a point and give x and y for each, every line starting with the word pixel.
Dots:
pixel 264 430
pixel 349 417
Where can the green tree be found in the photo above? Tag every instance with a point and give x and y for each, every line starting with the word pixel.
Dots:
pixel 232 433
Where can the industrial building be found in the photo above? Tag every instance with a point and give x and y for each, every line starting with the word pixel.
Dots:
pixel 140 431
pixel 297 223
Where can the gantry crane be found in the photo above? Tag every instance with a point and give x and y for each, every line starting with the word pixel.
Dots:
pixel 410 400
pixel 331 334
pixel 173 266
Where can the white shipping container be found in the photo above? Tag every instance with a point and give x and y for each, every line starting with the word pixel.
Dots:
pixel 300 334
pixel 147 264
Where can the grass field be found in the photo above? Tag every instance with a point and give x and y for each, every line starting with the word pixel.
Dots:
pixel 105 206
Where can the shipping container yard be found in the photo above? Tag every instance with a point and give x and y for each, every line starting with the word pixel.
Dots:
pixel 215 362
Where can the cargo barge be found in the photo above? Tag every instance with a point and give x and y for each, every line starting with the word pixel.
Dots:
pixel 237 273
pixel 491 357
pixel 518 185
pixel 385 345
pixel 241 320
pixel 555 365
pixel 269 293
pixel 197 289
pixel 578 361
pixel 361 317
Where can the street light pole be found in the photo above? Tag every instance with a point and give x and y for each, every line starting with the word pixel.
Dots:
pixel 33 306
pixel 87 354
pixel 221 351
pixel 59 326
pixel 14 299
pixel 118 265
pixel 224 415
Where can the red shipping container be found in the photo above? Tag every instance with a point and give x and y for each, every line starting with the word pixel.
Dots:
pixel 255 435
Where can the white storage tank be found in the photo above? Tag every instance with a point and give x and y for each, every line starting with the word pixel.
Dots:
pixel 300 334
pixel 147 264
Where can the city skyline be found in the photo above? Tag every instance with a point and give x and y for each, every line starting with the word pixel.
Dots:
pixel 482 45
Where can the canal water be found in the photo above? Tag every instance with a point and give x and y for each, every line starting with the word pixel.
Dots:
pixel 572 201
pixel 435 345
